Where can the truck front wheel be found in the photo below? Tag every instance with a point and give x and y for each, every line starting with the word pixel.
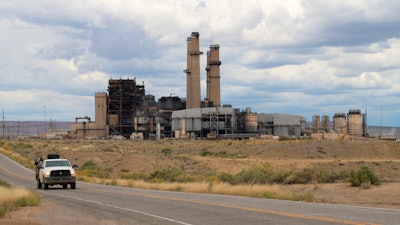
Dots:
pixel 73 185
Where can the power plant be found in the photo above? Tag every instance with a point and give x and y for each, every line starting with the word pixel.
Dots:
pixel 125 111
pixel 354 123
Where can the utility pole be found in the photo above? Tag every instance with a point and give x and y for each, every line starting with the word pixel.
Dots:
pixel 44 117
pixel 4 128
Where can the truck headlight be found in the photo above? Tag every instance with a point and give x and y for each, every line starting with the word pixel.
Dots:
pixel 46 173
pixel 72 172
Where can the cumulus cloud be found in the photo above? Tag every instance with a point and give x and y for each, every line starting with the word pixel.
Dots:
pixel 299 57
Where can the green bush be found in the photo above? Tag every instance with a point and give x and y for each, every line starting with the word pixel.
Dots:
pixel 90 169
pixel 169 175
pixel 315 175
pixel 206 153
pixel 281 177
pixel 166 151
pixel 363 177
pixel 257 174
pixel 226 177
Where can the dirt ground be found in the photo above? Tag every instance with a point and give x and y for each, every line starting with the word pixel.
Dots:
pixel 232 156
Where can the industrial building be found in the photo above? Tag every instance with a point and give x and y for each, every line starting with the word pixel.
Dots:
pixel 353 123
pixel 283 125
pixel 126 111
pixel 227 122
pixel 204 122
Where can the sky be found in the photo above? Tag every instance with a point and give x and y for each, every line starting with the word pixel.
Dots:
pixel 298 57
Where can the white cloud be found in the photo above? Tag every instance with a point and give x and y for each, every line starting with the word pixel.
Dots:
pixel 91 78
pixel 300 57
pixel 370 80
pixel 69 64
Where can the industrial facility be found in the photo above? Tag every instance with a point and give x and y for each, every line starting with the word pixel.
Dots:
pixel 354 123
pixel 125 111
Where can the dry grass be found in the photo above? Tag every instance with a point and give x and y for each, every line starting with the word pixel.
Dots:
pixel 15 197
pixel 259 191
pixel 16 157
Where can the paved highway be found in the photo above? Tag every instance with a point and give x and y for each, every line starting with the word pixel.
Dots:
pixel 140 206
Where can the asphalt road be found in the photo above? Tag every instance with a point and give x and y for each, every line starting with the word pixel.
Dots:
pixel 118 205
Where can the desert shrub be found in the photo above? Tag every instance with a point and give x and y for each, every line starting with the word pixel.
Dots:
pixel 281 176
pixel 257 174
pixel 316 174
pixel 124 170
pixel 301 177
pixel 211 179
pixel 169 175
pixel 166 151
pixel 21 145
pixel 91 169
pixel 226 177
pixel 206 153
pixel 89 165
pixel 363 177
pixel 222 154
pixel 133 176
pixel 187 178
pixel 341 175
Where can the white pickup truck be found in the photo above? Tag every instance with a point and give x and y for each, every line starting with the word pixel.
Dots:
pixel 55 172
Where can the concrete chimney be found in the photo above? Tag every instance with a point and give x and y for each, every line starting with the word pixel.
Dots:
pixel 213 77
pixel 193 92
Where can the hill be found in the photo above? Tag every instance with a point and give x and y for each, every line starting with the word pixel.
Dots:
pixel 202 158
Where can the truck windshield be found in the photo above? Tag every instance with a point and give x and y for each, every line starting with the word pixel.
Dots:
pixel 57 163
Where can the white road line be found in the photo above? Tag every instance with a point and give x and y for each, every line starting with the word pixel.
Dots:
pixel 121 208
pixel 15 163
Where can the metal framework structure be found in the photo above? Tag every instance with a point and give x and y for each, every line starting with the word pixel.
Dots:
pixel 124 97
pixel 214 123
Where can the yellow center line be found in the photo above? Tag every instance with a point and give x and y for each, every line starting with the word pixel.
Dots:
pixel 14 174
pixel 273 212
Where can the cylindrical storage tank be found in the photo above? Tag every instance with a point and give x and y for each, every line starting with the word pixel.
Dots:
pixel 250 122
pixel 340 123
pixel 355 122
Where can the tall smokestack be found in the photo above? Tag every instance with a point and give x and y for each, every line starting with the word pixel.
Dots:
pixel 213 76
pixel 193 92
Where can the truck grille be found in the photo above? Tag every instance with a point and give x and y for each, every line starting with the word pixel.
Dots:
pixel 60 173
